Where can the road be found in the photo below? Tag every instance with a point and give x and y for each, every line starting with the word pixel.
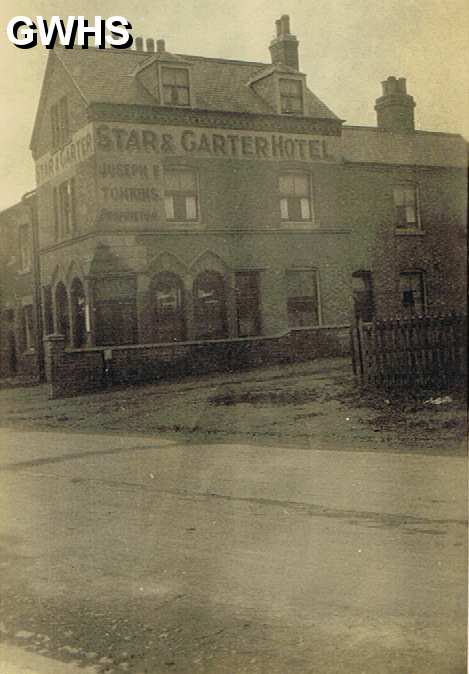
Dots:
pixel 139 554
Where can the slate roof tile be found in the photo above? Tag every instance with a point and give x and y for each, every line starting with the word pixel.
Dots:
pixel 111 76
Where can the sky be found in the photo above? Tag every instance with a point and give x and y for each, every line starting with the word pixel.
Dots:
pixel 347 48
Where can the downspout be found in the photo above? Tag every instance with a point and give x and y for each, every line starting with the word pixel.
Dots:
pixel 30 199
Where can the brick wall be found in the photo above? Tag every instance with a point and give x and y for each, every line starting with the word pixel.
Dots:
pixel 73 371
pixel 57 84
pixel 17 290
pixel 366 197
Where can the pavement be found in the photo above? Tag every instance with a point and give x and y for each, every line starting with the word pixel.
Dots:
pixel 142 554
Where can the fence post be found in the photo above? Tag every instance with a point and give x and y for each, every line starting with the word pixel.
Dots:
pixel 361 347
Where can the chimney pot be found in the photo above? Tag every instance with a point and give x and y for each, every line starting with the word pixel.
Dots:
pixel 389 86
pixel 139 43
pixel 285 22
pixel 402 85
pixel 160 46
pixel 150 44
pixel 278 24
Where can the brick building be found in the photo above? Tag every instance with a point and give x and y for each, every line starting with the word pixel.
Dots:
pixel 183 198
pixel 20 306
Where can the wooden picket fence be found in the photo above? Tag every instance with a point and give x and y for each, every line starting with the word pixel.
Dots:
pixel 424 352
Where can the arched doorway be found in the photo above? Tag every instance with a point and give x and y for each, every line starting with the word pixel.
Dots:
pixel 77 295
pixel 210 306
pixel 167 292
pixel 61 311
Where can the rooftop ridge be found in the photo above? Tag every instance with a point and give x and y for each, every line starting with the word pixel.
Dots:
pixel 193 57
pixel 365 127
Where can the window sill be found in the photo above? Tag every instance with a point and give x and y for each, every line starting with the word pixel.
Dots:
pixel 181 224
pixel 305 328
pixel 411 231
pixel 298 224
pixel 178 106
pixel 291 114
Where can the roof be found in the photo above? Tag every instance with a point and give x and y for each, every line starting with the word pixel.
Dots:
pixel 421 148
pixel 110 76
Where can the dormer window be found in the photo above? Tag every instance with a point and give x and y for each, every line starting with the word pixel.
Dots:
pixel 291 96
pixel 175 87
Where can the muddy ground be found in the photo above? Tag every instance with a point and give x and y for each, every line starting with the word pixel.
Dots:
pixel 316 404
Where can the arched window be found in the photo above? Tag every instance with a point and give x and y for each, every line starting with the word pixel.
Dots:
pixel 210 306
pixel 61 311
pixel 77 295
pixel 167 292
pixel 48 311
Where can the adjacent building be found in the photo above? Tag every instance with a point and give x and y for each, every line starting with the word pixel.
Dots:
pixel 20 303
pixel 182 198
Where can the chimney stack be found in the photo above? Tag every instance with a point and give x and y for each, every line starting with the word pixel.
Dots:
pixel 284 47
pixel 395 108
pixel 139 43
pixel 150 44
pixel 160 46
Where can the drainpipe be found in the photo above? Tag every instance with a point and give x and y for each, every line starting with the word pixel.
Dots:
pixel 30 200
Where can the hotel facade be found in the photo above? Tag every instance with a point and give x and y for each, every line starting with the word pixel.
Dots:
pixel 183 199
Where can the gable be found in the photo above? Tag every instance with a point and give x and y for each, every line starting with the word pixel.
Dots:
pixel 57 83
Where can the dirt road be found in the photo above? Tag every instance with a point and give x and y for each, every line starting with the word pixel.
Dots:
pixel 146 555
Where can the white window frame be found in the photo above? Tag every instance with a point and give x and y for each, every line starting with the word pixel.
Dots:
pixel 182 169
pixel 417 225
pixel 308 222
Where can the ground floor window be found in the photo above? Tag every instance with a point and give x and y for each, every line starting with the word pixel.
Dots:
pixel 48 310
pixel 412 291
pixel 248 303
pixel 210 306
pixel 11 353
pixel 115 310
pixel 115 323
pixel 302 298
pixel 78 305
pixel 362 287
pixel 167 293
pixel 27 326
pixel 61 311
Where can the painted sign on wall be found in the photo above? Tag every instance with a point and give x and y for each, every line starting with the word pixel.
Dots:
pixel 213 143
pixel 81 147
